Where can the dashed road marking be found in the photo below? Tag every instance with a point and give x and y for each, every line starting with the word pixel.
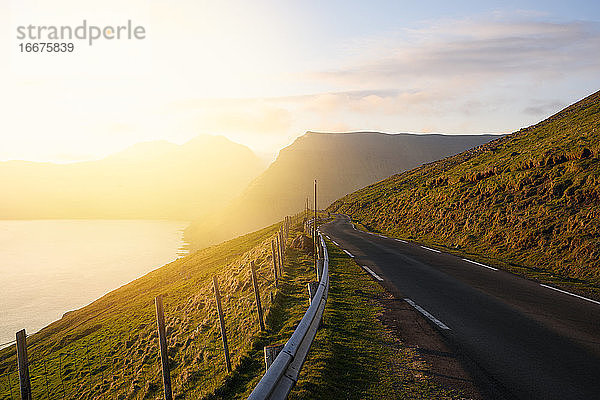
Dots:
pixel 334 242
pixel 401 241
pixel 347 252
pixel 480 264
pixel 430 249
pixel 427 314
pixel 570 294
pixel 369 270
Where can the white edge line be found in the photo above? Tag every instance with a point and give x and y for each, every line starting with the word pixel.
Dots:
pixel 369 270
pixel 425 313
pixel 570 294
pixel 334 242
pixel 430 249
pixel 347 252
pixel 400 240
pixel 480 264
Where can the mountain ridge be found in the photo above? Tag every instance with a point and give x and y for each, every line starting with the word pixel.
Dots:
pixel 341 162
pixel 155 179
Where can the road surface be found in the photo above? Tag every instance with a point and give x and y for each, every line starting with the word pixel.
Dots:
pixel 533 341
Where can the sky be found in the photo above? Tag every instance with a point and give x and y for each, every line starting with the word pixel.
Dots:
pixel 264 72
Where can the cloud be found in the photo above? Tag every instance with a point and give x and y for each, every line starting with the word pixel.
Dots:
pixel 543 107
pixel 495 73
pixel 473 50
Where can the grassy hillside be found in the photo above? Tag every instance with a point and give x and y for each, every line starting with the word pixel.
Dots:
pixel 148 180
pixel 528 202
pixel 341 162
pixel 109 348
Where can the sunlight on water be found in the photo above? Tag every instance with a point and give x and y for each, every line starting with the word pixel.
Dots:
pixel 49 267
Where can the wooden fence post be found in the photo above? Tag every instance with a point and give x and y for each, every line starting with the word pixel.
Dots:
pixel 312 290
pixel 222 323
pixel 276 240
pixel 287 227
pixel 162 341
pixel 281 253
pixel 275 273
pixel 279 259
pixel 257 297
pixel 23 365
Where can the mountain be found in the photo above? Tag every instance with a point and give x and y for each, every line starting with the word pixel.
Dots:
pixel 148 180
pixel 530 199
pixel 341 162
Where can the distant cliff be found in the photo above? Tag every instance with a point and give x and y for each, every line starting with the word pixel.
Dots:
pixel 341 162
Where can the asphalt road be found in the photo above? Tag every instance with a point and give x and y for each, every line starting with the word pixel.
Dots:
pixel 533 341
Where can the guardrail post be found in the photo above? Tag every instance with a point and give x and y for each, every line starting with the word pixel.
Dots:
pixel 319 249
pixel 312 289
pixel 162 342
pixel 275 272
pixel 271 353
pixel 319 270
pixel 23 365
pixel 257 297
pixel 222 323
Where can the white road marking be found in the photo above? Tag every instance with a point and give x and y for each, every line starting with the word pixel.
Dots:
pixel 369 270
pixel 570 294
pixel 480 264
pixel 347 252
pixel 334 242
pixel 400 240
pixel 428 315
pixel 353 227
pixel 327 236
pixel 430 249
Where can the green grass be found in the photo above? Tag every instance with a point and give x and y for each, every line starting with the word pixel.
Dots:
pixel 354 356
pixel 288 309
pixel 528 202
pixel 109 348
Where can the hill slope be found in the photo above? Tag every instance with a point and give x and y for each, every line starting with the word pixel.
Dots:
pixel 531 199
pixel 148 180
pixel 341 162
pixel 109 348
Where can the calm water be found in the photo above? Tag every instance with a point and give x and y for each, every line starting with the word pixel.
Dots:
pixel 49 267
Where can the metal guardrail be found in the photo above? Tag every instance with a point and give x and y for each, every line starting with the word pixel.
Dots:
pixel 282 375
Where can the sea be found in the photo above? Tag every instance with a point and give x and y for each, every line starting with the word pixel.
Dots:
pixel 49 267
